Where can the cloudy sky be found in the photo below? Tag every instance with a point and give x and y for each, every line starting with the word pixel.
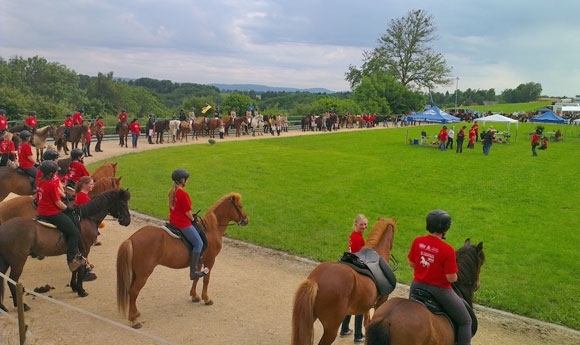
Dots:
pixel 299 43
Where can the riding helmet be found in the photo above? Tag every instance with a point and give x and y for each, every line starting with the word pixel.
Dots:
pixel 438 221
pixel 25 134
pixel 2 112
pixel 48 167
pixel 76 154
pixel 179 174
pixel 32 112
pixel 50 155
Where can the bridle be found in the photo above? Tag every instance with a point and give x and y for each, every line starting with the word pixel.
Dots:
pixel 240 216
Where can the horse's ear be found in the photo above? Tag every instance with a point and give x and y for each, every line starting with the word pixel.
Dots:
pixel 467 243
pixel 480 246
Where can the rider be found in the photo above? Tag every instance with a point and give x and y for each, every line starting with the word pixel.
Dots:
pixel 26 159
pixel 31 121
pixel 122 118
pixel 51 155
pixel 77 168
pixel 435 269
pixel 182 116
pixel 3 122
pixel 7 149
pixel 78 117
pixel 51 207
pixel 68 124
pixel 181 217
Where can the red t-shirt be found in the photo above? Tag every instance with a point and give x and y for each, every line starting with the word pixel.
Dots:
pixel 356 242
pixel 76 171
pixel 82 198
pixel 7 146
pixel 47 195
pixel 3 123
pixel 443 135
pixel 100 123
pixel 89 136
pixel 135 128
pixel 68 122
pixel 181 205
pixel 122 116
pixel 77 118
pixel 25 151
pixel 433 260
pixel 31 121
pixel 535 138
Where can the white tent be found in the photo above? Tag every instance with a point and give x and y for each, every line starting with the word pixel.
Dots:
pixel 501 119
pixel 570 108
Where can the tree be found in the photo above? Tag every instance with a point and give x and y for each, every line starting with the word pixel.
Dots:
pixel 404 52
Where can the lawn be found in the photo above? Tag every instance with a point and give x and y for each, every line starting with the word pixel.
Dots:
pixel 302 194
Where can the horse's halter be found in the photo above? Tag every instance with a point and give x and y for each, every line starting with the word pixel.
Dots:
pixel 242 219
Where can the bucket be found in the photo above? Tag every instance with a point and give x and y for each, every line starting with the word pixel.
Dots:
pixel 415 141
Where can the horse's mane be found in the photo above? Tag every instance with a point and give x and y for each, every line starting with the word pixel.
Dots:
pixel 104 184
pixel 100 201
pixel 210 218
pixel 379 230
pixel 468 264
pixel 236 196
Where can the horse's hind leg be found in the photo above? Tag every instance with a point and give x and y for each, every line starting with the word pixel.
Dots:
pixel 136 286
pixel 15 272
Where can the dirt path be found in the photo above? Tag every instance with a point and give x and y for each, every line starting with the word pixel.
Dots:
pixel 252 288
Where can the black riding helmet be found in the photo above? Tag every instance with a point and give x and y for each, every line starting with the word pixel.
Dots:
pixel 438 221
pixel 50 155
pixel 49 167
pixel 178 174
pixel 25 134
pixel 76 154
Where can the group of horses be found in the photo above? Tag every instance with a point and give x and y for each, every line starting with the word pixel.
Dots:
pixel 335 289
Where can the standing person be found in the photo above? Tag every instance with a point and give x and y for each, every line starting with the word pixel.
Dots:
pixel 7 150
pixel 181 217
pixel 150 128
pixel 100 133
pixel 3 122
pixel 476 129
pixel 78 117
pixel 442 138
pixel 135 131
pixel 435 269
pixel 26 159
pixel 460 139
pixel 51 207
pixel 472 137
pixel 87 144
pixel 121 118
pixel 356 242
pixel 450 137
pixel 487 141
pixel 31 122
pixel 76 169
pixel 535 142
pixel 68 124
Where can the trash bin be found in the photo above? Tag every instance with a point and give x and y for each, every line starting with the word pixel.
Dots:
pixel 415 141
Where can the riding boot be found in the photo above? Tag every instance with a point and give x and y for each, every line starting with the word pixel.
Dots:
pixel 150 140
pixel 193 263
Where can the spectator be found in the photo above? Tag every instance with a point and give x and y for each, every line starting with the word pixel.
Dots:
pixel 135 131
pixel 472 138
pixel 8 151
pixel 535 142
pixel 442 138
pixel 150 128
pixel 100 133
pixel 450 137
pixel 87 144
pixel 487 141
pixel 460 138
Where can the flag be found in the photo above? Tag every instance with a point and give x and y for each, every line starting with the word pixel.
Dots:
pixel 205 109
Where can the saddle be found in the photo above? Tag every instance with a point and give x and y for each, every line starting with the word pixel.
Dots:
pixel 176 233
pixel 426 298
pixel 369 263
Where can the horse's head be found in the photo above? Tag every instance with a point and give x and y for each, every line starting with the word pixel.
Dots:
pixel 470 258
pixel 120 208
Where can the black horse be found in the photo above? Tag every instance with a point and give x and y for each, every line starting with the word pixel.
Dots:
pixel 161 126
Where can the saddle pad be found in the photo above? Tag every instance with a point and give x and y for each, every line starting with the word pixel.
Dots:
pixel 45 223
pixel 169 232
pixel 10 196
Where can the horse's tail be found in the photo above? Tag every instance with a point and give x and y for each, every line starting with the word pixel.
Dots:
pixel 124 275
pixel 303 313
pixel 378 332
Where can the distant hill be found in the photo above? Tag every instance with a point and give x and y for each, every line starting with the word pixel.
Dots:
pixel 264 88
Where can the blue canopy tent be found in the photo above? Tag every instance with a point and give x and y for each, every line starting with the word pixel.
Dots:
pixel 548 117
pixel 434 114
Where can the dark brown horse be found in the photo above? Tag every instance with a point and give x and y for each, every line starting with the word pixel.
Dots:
pixel 238 123
pixel 161 126
pixel 151 246
pixel 212 126
pixel 334 290
pixel 22 237
pixel 39 139
pixel 401 321
pixel 123 133
pixel 76 135
pixel 22 206
pixel 13 181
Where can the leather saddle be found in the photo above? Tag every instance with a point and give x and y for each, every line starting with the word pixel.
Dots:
pixel 175 232
pixel 426 298
pixel 369 263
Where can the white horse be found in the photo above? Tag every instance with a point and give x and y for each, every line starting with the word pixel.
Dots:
pixel 173 128
pixel 257 124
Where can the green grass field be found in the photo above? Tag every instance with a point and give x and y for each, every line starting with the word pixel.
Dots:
pixel 302 194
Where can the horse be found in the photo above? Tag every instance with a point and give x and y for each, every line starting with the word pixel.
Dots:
pixel 256 124
pixel 238 122
pixel 39 139
pixel 173 128
pixel 123 133
pixel 198 127
pixel 227 122
pixel 306 123
pixel 14 181
pixel 161 126
pixel 151 246
pixel 75 136
pixel 334 290
pixel 401 321
pixel 107 169
pixel 21 237
pixel 212 126
pixel 183 130
pixel 22 206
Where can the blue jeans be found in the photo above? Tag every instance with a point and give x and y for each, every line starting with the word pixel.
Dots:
pixel 486 148
pixel 134 136
pixel 442 145
pixel 193 236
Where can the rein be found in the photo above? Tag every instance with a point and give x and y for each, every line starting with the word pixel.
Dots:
pixel 239 215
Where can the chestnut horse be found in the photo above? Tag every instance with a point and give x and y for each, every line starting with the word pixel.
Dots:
pixel 22 205
pixel 123 133
pixel 238 123
pixel 334 290
pixel 107 169
pixel 151 246
pixel 401 321
pixel 21 237
pixel 14 181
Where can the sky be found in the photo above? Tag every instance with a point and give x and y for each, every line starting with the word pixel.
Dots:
pixel 300 43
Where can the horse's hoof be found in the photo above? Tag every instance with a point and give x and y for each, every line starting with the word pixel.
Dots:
pixel 82 293
pixel 26 307
pixel 89 277
pixel 196 299
pixel 210 302
pixel 3 308
pixel 137 325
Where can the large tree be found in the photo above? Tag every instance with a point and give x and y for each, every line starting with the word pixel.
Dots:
pixel 405 53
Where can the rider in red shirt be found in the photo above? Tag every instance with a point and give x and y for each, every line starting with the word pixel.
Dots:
pixel 77 169
pixel 26 159
pixel 78 117
pixel 31 121
pixel 3 121
pixel 68 124
pixel 435 268
pixel 7 149
pixel 122 118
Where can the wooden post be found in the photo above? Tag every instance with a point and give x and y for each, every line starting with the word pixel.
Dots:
pixel 20 308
